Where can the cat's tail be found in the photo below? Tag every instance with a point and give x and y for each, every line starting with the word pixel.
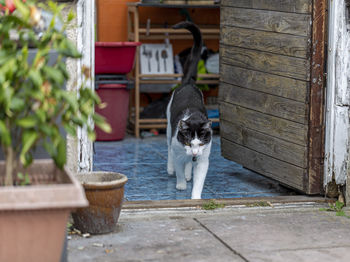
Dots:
pixel 190 70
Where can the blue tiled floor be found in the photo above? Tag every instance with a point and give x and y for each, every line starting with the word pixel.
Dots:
pixel 144 161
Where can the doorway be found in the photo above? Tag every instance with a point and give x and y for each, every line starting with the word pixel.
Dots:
pixel 310 143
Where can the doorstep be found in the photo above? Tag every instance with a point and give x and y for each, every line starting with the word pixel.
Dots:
pixel 248 201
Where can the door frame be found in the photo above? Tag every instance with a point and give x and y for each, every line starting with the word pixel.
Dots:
pixel 337 98
pixel 334 148
pixel 85 45
pixel 317 96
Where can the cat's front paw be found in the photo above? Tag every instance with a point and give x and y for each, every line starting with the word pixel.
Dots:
pixel 171 171
pixel 196 197
pixel 181 186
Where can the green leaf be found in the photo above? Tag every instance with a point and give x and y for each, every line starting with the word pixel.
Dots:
pixel 45 129
pixel 70 97
pixel 41 114
pixel 78 121
pixel 36 78
pixel 67 48
pixel 27 180
pixel 105 127
pixel 339 205
pixel 27 122
pixel 20 176
pixel 17 104
pixel 340 213
pixel 62 66
pixel 22 8
pixel 91 135
pixel 54 74
pixel 60 159
pixel 211 204
pixel 70 16
pixel 70 129
pixel 28 159
pixel 100 121
pixel 50 149
pixel 28 140
pixel 24 179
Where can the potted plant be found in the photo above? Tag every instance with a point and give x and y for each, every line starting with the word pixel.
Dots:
pixel 36 196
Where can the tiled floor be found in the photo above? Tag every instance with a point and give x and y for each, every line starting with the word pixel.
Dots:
pixel 143 161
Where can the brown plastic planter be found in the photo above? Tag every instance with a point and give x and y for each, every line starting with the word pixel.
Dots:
pixel 105 193
pixel 33 219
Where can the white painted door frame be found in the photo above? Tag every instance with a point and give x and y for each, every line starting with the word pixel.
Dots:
pixel 86 45
pixel 337 104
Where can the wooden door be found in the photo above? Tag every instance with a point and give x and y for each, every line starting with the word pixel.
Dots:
pixel 272 88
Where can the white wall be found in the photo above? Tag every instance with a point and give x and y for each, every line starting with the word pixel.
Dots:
pixel 72 145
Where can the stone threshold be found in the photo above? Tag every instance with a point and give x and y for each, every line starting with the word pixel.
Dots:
pixel 248 201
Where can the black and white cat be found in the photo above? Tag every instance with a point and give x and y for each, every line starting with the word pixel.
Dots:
pixel 189 132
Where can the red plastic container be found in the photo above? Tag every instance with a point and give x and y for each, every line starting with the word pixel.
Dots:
pixel 116 112
pixel 114 57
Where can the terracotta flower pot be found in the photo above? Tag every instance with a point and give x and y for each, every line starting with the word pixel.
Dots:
pixel 33 219
pixel 105 193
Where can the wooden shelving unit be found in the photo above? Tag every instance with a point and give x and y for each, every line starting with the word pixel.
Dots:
pixel 139 32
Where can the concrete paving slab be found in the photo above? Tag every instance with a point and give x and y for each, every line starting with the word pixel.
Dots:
pixel 173 238
pixel 308 255
pixel 288 232
pixel 268 234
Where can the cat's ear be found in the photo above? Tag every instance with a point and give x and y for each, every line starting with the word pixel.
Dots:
pixel 207 125
pixel 183 125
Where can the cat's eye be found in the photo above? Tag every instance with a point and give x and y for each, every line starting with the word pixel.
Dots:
pixel 201 144
pixel 187 144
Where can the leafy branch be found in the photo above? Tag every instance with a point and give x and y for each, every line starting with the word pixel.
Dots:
pixel 33 103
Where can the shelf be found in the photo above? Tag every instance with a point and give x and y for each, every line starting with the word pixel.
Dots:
pixel 179 75
pixel 174 37
pixel 145 82
pixel 177 31
pixel 201 82
pixel 210 79
pixel 159 33
pixel 164 121
pixel 160 5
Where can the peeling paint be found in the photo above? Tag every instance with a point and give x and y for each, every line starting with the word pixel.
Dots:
pixel 85 44
pixel 338 96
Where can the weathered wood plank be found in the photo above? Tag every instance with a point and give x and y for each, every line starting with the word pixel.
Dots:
pixel 265 144
pixel 266 124
pixel 295 6
pixel 288 23
pixel 317 92
pixel 293 67
pixel 263 164
pixel 264 103
pixel 264 82
pixel 290 45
